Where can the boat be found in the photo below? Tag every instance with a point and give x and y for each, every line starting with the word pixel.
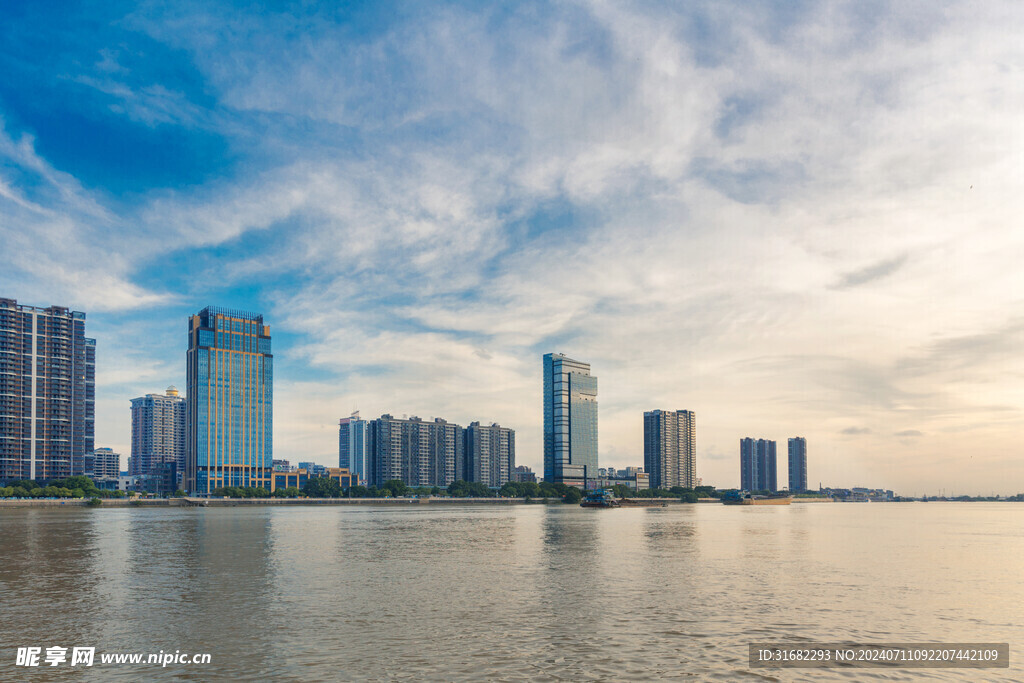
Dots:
pixel 743 498
pixel 642 503
pixel 599 499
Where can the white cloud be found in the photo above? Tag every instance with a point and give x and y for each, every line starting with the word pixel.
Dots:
pixel 716 190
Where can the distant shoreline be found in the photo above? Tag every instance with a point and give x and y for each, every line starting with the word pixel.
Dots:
pixel 236 502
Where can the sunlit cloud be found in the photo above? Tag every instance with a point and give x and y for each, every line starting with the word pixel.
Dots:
pixel 794 220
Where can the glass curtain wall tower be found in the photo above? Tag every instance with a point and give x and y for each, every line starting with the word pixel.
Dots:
pixel 352 445
pixel 229 409
pixel 47 392
pixel 570 420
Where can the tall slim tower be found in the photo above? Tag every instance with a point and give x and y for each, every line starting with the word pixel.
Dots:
pixel 748 465
pixel 352 445
pixel 670 448
pixel 47 392
pixel 570 420
pixel 158 432
pixel 229 411
pixel 758 465
pixel 797 464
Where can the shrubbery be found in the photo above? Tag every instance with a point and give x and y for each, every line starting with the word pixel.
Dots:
pixel 71 487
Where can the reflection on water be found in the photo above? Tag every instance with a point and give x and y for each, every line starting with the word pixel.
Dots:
pixel 525 592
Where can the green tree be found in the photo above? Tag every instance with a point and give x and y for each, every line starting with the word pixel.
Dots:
pixel 79 482
pixel 458 489
pixel 572 495
pixel 622 491
pixel 322 487
pixel 396 487
pixel 357 491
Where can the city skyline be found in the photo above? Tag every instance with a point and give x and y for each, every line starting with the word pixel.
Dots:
pixel 790 219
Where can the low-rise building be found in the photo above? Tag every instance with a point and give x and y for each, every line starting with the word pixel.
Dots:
pixel 638 481
pixel 298 478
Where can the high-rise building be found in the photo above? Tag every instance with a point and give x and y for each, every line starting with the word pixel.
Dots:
pixel 490 454
pixel 418 453
pixel 758 470
pixel 352 445
pixel 103 463
pixel 47 392
pixel 229 411
pixel 523 474
pixel 670 448
pixel 797 464
pixel 570 420
pixel 158 432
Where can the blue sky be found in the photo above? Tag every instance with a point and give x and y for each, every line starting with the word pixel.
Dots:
pixel 792 218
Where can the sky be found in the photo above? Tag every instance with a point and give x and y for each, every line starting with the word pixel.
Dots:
pixel 793 218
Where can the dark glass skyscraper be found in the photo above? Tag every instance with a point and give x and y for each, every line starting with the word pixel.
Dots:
pixel 670 448
pixel 797 464
pixel 229 408
pixel 570 420
pixel 47 392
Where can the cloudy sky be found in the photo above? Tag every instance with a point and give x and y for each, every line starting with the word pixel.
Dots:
pixel 792 218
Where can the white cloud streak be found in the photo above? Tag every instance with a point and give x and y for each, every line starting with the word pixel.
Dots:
pixel 785 224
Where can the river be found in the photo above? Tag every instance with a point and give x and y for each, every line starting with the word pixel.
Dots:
pixel 525 592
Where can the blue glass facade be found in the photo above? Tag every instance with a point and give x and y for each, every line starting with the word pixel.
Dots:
pixel 352 445
pixel 229 413
pixel 570 420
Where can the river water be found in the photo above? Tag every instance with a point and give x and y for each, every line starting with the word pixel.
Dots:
pixel 525 592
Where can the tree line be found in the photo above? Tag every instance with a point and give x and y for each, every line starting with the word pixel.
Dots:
pixel 78 486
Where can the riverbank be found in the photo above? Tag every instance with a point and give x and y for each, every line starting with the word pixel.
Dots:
pixel 235 502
